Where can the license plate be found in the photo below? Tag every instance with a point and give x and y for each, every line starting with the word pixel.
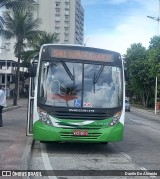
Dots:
pixel 80 133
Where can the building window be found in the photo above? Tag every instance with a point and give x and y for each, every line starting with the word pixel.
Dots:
pixel 57 4
pixel 57 24
pixel 66 37
pixel 66 12
pixel 66 24
pixel 66 41
pixel 66 18
pixel 66 29
pixel 66 5
pixel 57 29
pixel 57 11
pixel 57 18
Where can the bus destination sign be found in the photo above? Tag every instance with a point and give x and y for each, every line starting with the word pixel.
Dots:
pixel 81 55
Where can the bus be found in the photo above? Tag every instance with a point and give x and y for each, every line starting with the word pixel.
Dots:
pixel 76 95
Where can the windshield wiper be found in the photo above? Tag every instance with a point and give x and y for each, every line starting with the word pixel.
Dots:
pixel 72 77
pixel 96 77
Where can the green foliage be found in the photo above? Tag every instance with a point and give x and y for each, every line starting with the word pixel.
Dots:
pixel 16 5
pixel 143 65
pixel 154 56
pixel 141 82
pixel 35 45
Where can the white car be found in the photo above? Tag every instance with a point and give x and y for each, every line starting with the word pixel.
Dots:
pixel 127 105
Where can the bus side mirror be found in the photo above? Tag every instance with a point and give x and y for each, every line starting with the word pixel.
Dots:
pixel 32 70
pixel 126 75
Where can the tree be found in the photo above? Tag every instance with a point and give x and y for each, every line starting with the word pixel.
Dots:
pixel 20 25
pixel 10 4
pixel 141 81
pixel 154 56
pixel 154 60
pixel 36 43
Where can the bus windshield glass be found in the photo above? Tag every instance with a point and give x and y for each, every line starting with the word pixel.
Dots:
pixel 77 84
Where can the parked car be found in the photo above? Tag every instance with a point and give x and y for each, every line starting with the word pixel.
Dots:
pixel 127 105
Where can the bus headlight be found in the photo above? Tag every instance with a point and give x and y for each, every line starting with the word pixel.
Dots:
pixel 115 119
pixel 44 117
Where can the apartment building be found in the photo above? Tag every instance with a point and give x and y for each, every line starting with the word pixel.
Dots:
pixel 64 17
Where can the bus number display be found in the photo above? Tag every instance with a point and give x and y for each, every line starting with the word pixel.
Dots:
pixel 81 55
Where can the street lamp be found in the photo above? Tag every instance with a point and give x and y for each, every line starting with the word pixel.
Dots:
pixel 158 20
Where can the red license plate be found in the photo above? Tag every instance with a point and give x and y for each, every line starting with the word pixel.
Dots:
pixel 80 133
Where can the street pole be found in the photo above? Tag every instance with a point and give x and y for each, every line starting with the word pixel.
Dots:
pixel 5 48
pixel 156 96
pixel 6 71
pixel 158 20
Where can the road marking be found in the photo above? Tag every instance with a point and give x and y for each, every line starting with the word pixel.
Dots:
pixel 46 161
pixel 135 121
pixel 125 155
pixel 141 168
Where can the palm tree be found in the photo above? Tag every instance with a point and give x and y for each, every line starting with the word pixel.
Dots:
pixel 20 25
pixel 36 43
pixel 14 3
pixel 10 4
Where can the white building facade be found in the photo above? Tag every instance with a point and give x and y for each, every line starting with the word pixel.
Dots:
pixel 64 17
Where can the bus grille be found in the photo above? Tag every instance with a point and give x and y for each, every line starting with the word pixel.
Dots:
pixel 70 135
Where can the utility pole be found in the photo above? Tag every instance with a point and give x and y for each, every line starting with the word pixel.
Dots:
pixel 158 20
pixel 5 48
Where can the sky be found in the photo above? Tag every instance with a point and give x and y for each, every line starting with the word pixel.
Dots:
pixel 116 24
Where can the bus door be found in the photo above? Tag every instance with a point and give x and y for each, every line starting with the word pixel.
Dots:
pixel 29 130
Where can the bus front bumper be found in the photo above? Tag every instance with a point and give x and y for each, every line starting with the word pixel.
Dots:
pixel 43 132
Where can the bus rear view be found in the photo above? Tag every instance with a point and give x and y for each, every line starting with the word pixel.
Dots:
pixel 79 95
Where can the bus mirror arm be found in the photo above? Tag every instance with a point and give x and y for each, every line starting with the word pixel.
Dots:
pixel 32 70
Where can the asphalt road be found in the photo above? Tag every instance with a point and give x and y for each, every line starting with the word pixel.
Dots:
pixel 138 151
pixel 142 140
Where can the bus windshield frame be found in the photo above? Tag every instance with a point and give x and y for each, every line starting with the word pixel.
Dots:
pixel 74 99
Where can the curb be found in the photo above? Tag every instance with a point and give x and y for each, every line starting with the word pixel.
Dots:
pixel 27 156
pixel 146 112
pixel 10 108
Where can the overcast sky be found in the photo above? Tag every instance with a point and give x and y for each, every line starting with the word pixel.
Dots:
pixel 116 24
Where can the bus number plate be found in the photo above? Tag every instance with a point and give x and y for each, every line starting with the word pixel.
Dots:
pixel 80 133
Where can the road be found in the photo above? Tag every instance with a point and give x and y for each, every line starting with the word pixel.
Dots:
pixel 138 151
pixel 142 140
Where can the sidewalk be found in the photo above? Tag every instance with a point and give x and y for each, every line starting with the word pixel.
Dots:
pixel 146 111
pixel 20 103
pixel 15 146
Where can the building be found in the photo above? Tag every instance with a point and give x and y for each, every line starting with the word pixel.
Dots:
pixel 7 65
pixel 64 17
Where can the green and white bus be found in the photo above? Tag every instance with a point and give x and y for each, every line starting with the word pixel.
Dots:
pixel 77 95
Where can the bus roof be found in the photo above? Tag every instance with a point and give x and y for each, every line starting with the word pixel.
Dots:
pixel 83 47
pixel 79 52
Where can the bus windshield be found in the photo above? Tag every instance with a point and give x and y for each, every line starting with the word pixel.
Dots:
pixel 77 84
